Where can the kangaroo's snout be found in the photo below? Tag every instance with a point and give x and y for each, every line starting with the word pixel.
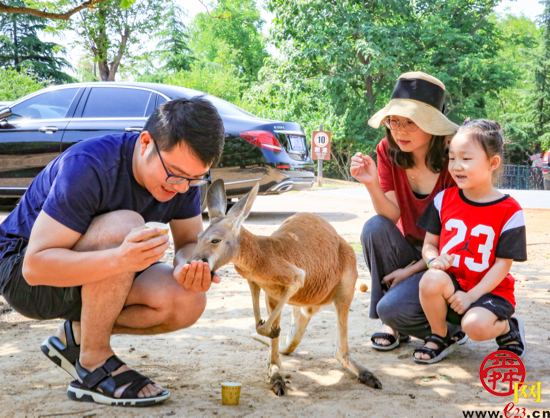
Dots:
pixel 204 260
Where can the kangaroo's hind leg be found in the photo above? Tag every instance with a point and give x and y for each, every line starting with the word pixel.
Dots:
pixel 274 362
pixel 342 301
pixel 300 319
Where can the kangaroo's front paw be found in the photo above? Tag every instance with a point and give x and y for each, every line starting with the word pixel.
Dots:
pixel 277 384
pixel 273 332
pixel 369 379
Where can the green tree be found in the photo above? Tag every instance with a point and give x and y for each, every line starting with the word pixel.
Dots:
pixel 356 50
pixel 15 84
pixel 209 77
pixel 541 72
pixel 460 44
pixel 115 36
pixel 20 47
pixel 173 50
pixel 515 107
pixel 86 69
pixel 230 35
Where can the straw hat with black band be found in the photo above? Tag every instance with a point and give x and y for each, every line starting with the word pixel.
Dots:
pixel 421 98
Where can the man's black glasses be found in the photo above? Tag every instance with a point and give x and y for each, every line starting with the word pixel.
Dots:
pixel 173 179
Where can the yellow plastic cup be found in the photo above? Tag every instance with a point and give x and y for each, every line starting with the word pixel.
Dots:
pixel 231 392
pixel 165 228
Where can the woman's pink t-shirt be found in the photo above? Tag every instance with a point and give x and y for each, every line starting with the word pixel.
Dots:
pixel 395 178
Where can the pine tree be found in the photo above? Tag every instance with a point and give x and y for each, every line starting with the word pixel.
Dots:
pixel 20 47
pixel 173 50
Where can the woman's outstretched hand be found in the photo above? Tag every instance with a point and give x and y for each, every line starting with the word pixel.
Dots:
pixel 363 169
pixel 395 277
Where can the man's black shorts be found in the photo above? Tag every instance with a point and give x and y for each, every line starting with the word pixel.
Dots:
pixel 36 302
pixel 494 303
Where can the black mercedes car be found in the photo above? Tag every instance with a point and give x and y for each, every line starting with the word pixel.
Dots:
pixel 37 128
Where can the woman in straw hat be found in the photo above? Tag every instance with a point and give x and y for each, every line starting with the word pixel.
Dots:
pixel 412 170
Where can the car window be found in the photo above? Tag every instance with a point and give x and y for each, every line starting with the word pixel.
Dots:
pixel 112 102
pixel 151 105
pixel 48 105
pixel 161 100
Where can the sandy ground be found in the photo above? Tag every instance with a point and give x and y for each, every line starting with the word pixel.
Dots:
pixel 192 363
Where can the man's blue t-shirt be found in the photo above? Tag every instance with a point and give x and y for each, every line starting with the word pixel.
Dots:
pixel 91 178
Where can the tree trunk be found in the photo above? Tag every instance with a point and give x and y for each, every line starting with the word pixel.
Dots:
pixel 104 72
pixel 369 82
pixel 15 45
pixel 41 13
pixel 101 49
pixel 116 63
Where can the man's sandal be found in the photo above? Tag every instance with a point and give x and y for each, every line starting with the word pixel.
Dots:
pixel 100 385
pixel 63 356
pixel 445 346
pixel 394 342
pixel 516 334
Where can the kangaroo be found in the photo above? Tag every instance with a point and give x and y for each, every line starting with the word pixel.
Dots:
pixel 305 263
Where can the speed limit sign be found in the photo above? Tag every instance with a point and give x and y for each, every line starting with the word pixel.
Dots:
pixel 320 145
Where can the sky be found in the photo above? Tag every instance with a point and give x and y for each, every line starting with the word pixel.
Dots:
pixel 530 8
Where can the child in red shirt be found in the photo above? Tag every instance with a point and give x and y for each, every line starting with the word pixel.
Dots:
pixel 474 232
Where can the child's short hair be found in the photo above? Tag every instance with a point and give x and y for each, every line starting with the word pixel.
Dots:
pixel 487 133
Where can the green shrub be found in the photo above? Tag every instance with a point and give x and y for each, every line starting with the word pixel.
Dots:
pixel 212 78
pixel 14 85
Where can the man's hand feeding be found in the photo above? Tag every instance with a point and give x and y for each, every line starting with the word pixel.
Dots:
pixel 195 276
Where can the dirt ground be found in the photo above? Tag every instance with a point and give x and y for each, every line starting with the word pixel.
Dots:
pixel 192 363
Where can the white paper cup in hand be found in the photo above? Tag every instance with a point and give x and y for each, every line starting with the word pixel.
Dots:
pixel 165 228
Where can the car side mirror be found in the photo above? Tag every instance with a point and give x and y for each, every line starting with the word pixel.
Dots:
pixel 5 113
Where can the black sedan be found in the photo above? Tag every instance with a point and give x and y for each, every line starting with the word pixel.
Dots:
pixel 37 128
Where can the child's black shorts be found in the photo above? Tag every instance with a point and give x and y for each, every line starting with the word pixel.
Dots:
pixel 37 302
pixel 494 303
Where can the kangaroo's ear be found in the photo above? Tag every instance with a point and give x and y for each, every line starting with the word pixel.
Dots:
pixel 216 200
pixel 240 211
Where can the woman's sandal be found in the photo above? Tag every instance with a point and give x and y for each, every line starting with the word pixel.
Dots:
pixel 516 334
pixel 63 356
pixel 460 337
pixel 445 346
pixel 394 342
pixel 100 385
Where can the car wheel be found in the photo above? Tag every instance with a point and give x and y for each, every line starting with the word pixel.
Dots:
pixel 546 184
pixel 8 203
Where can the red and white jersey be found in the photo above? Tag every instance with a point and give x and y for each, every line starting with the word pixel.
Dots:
pixel 477 233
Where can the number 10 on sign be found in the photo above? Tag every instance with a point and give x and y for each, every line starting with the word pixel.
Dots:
pixel 320 150
pixel 320 145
